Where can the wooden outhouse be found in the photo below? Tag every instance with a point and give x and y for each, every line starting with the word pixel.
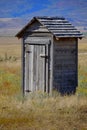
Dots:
pixel 49 55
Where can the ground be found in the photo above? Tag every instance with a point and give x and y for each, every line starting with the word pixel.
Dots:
pixel 39 111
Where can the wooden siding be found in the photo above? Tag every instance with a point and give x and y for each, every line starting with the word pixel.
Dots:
pixel 37 40
pixel 65 65
pixel 37 27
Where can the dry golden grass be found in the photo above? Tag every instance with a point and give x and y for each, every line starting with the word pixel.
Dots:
pixel 9 40
pixel 10 46
pixel 82 45
pixel 39 111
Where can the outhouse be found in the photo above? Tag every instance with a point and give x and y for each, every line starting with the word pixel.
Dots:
pixel 49 55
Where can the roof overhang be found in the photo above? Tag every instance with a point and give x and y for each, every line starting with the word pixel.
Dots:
pixel 21 33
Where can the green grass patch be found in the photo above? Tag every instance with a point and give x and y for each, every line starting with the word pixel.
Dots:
pixel 82 80
pixel 9 81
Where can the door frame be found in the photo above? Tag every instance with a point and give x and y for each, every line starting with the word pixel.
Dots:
pixel 45 43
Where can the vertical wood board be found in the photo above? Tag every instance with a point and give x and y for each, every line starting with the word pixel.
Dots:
pixel 65 65
pixel 36 67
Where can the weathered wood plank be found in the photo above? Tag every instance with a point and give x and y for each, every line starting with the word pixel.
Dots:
pixel 47 69
pixel 59 26
pixel 26 70
pixel 32 67
pixel 38 34
pixel 56 23
pixel 37 27
pixel 37 69
pixel 37 40
pixel 62 29
pixel 65 65
pixel 51 65
pixel 65 31
pixel 38 30
pixel 44 69
pixel 56 20
pixel 29 63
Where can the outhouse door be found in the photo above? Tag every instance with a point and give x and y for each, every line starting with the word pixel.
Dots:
pixel 37 67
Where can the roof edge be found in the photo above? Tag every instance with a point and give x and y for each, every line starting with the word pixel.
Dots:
pixel 19 34
pixel 51 18
pixel 38 18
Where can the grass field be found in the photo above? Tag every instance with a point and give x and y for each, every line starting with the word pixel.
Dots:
pixel 82 45
pixel 38 111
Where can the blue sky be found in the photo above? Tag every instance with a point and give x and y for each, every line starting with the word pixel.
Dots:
pixel 29 8
pixel 73 10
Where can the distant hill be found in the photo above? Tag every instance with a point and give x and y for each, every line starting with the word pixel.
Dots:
pixel 10 26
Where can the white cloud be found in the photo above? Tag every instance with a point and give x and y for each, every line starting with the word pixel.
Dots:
pixel 5 19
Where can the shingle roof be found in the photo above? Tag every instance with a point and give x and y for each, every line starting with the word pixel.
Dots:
pixel 58 26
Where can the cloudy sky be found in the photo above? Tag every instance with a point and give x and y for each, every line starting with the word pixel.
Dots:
pixel 29 8
pixel 11 10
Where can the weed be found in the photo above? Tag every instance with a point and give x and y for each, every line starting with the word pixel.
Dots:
pixel 6 58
